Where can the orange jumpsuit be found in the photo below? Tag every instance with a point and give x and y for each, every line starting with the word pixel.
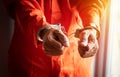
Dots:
pixel 26 57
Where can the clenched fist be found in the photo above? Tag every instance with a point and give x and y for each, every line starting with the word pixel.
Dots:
pixel 88 43
pixel 53 39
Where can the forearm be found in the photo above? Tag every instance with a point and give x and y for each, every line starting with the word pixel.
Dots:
pixel 27 13
pixel 91 12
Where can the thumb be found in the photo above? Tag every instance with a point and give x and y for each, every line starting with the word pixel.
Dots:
pixel 84 38
pixel 61 37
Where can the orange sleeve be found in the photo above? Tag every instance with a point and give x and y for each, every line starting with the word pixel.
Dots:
pixel 26 12
pixel 91 11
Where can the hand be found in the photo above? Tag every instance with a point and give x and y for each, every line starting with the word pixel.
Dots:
pixel 88 44
pixel 54 40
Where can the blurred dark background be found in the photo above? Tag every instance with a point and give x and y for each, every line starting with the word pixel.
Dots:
pixel 6 30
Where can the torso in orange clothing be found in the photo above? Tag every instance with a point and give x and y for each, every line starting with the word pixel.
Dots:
pixel 26 55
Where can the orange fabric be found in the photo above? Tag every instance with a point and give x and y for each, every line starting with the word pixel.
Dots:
pixel 26 55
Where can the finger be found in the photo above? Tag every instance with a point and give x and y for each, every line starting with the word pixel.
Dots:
pixel 61 37
pixel 92 37
pixel 51 46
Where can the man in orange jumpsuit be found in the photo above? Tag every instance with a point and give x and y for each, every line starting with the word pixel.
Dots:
pixel 26 55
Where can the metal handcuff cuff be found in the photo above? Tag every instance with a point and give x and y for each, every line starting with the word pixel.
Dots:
pixel 78 31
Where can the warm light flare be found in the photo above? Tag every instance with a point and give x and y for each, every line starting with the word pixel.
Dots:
pixel 114 38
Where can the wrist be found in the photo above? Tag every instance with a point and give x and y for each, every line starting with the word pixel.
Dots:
pixel 94 28
pixel 41 32
pixel 90 26
pixel 45 28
